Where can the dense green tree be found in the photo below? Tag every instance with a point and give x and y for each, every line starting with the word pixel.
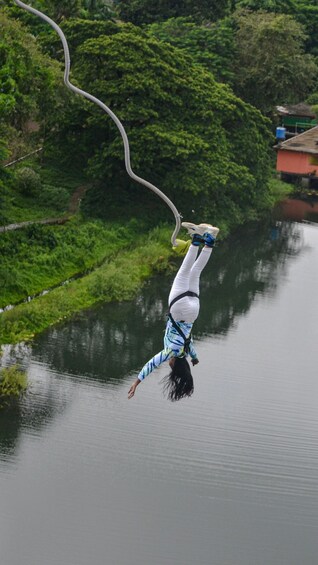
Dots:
pixel 60 9
pixel 313 101
pixel 61 12
pixel 188 134
pixel 211 45
pixel 304 11
pixel 307 14
pixel 148 11
pixel 76 32
pixel 98 9
pixel 280 6
pixel 33 24
pixel 26 89
pixel 271 66
pixel 27 77
pixel 56 9
pixel 31 89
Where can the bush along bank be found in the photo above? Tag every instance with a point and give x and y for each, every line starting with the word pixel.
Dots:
pixel 13 383
pixel 117 279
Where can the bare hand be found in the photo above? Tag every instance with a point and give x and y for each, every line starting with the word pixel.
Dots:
pixel 132 389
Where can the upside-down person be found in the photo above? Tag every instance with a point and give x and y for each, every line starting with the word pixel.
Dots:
pixel 184 308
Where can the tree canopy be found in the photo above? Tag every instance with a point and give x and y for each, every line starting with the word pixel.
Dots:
pixel 271 65
pixel 211 45
pixel 28 78
pixel 304 11
pixel 149 11
pixel 60 9
pixel 188 134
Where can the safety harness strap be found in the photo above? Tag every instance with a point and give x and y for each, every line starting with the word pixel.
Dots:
pixel 187 293
pixel 187 340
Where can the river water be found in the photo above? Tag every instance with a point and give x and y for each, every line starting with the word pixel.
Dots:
pixel 228 477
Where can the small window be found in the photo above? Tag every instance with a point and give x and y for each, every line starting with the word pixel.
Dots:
pixel 313 160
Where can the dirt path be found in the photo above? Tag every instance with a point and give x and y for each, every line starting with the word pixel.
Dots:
pixel 76 198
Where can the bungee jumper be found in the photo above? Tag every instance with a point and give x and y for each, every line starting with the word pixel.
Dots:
pixel 184 295
pixel 184 308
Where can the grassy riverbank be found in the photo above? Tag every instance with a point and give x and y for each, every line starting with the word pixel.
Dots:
pixel 108 259
pixel 119 278
pixel 40 257
pixel 279 190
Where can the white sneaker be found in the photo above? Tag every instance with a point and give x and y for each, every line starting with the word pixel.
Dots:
pixel 200 229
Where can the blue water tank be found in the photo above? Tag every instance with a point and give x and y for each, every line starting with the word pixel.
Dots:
pixel 280 133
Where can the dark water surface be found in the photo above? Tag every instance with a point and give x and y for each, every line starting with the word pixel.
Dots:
pixel 228 477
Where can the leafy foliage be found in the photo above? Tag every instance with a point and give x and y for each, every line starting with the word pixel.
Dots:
pixel 27 76
pixel 279 6
pixel 211 45
pixel 304 11
pixel 148 11
pixel 13 382
pixel 205 147
pixel 77 31
pixel 60 9
pixel 98 9
pixel 272 67
pixel 313 101
pixel 28 181
pixel 30 87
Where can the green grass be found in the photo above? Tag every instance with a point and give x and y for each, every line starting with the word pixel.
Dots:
pixel 280 189
pixel 41 257
pixel 118 279
pixel 23 209
pixel 58 184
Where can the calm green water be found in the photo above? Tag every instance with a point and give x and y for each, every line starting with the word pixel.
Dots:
pixel 228 477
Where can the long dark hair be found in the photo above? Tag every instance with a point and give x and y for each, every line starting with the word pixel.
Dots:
pixel 179 382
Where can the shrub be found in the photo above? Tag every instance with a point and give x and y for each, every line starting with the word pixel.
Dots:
pixel 114 283
pixel 54 197
pixel 39 235
pixel 13 382
pixel 28 181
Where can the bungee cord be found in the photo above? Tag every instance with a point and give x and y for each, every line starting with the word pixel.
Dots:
pixel 109 112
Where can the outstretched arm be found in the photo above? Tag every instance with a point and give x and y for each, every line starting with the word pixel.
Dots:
pixel 193 354
pixel 152 364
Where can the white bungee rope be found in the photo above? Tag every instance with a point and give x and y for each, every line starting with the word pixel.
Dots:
pixel 109 112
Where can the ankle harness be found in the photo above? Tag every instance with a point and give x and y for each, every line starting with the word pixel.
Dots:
pixel 187 340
